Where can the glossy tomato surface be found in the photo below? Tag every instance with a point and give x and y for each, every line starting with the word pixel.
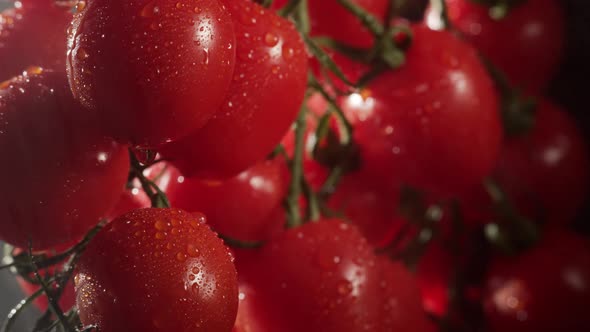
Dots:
pixel 33 33
pixel 546 171
pixel 157 270
pixel 265 95
pixel 62 175
pixel 432 123
pixel 527 44
pixel 324 277
pixel 372 209
pixel 240 207
pixel 154 70
pixel 401 308
pixel 545 289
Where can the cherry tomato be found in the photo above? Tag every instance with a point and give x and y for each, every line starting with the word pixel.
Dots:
pixel 373 210
pixel 157 270
pixel 434 273
pixel 62 174
pixel 432 123
pixel 544 289
pixel 527 44
pixel 248 200
pixel 155 70
pixel 546 170
pixel 329 18
pixel 324 277
pixel 401 303
pixel 33 34
pixel 266 92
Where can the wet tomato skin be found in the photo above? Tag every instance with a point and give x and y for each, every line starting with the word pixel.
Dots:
pixel 432 123
pixel 401 302
pixel 154 70
pixel 157 270
pixel 64 174
pixel 240 207
pixel 518 288
pixel 545 172
pixel 527 44
pixel 33 34
pixel 324 278
pixel 266 92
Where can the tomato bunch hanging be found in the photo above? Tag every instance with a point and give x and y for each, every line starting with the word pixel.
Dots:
pixel 290 165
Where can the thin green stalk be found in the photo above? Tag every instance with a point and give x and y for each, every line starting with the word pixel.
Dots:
pixel 293 214
pixel 368 20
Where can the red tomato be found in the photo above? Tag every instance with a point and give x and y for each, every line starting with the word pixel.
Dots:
pixel 329 18
pixel 432 123
pixel 240 207
pixel 154 70
pixel 527 44
pixel 544 289
pixel 319 277
pixel 547 169
pixel 62 174
pixel 372 210
pixel 157 270
pixel 266 93
pixel 401 308
pixel 33 34
pixel 434 273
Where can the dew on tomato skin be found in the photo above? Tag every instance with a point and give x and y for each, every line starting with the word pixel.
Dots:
pixel 270 39
pixel 160 235
pixel 149 10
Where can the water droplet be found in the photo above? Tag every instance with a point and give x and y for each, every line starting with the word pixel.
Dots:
pixel 192 250
pixel 247 19
pixel 195 288
pixel 82 54
pixel 149 10
pixel 191 277
pixel 270 39
pixel 181 257
pixel 160 235
pixel 161 225
pixel 80 6
pixel 175 231
pixel 195 270
pixel 205 56
pixel 179 5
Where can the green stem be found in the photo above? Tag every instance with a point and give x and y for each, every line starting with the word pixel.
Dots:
pixel 368 20
pixel 240 243
pixel 17 310
pixel 293 213
pixel 51 299
pixel 348 129
pixel 288 8
pixel 313 205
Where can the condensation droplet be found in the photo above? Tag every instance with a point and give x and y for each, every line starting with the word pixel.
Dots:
pixel 270 39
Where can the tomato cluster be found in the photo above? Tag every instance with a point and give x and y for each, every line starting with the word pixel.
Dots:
pixel 364 169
